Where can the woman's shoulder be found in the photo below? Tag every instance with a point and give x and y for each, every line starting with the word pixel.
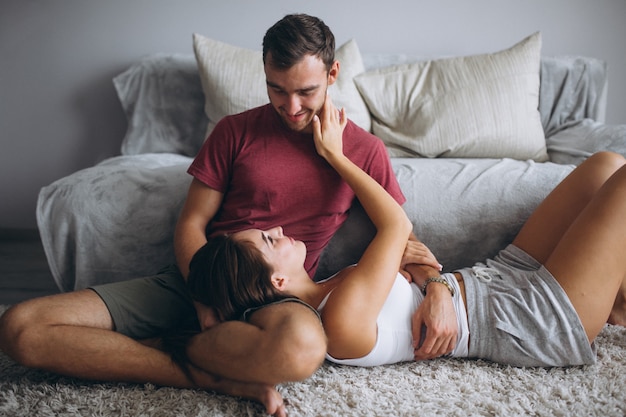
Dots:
pixel 332 282
pixel 338 274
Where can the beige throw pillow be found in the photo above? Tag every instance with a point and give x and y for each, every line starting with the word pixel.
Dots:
pixel 482 106
pixel 233 80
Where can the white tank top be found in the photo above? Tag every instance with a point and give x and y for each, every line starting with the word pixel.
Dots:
pixel 394 342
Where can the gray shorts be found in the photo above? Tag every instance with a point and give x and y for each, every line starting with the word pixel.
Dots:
pixel 152 306
pixel 519 315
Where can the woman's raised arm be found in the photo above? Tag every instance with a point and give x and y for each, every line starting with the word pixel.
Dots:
pixel 352 309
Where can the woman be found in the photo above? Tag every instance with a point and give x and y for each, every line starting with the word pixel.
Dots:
pixel 540 302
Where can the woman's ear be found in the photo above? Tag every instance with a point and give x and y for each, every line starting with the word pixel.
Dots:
pixel 279 282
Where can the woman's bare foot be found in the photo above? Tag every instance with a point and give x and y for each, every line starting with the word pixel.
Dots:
pixel 264 394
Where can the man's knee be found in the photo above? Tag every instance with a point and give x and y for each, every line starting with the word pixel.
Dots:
pixel 25 328
pixel 15 332
pixel 308 349
pixel 298 339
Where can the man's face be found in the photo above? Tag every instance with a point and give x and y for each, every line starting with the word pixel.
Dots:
pixel 298 93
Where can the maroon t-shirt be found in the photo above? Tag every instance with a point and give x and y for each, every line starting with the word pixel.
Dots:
pixel 272 176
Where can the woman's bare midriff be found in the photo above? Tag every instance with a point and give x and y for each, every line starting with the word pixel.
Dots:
pixel 459 279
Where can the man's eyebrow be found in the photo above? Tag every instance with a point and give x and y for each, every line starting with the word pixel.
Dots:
pixel 308 89
pixel 300 90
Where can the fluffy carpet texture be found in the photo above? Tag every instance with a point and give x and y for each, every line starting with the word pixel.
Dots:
pixel 439 387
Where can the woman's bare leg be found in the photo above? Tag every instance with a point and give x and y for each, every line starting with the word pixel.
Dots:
pixel 618 313
pixel 545 229
pixel 546 226
pixel 588 258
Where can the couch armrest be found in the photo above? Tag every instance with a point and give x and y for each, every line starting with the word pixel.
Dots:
pixel 579 141
pixel 113 221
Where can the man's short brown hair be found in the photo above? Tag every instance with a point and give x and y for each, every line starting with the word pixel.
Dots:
pixel 295 36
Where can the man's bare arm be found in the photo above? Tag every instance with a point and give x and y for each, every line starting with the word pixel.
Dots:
pixel 434 323
pixel 200 207
pixel 282 342
pixel 419 254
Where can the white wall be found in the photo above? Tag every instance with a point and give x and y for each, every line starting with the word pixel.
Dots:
pixel 59 112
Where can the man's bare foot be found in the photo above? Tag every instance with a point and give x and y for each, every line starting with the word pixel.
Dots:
pixel 264 394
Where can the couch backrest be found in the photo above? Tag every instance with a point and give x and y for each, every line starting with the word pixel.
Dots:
pixel 572 89
pixel 164 104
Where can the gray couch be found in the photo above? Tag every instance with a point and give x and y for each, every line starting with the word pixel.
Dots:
pixel 115 221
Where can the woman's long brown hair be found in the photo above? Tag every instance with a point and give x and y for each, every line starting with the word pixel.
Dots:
pixel 231 276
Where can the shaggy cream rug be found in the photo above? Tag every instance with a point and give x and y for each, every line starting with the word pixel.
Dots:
pixel 440 387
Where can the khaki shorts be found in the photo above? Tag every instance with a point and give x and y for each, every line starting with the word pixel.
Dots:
pixel 151 306
pixel 154 306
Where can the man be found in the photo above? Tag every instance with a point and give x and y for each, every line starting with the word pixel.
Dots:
pixel 255 167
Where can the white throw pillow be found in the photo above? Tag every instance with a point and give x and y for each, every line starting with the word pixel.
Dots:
pixel 233 80
pixel 482 106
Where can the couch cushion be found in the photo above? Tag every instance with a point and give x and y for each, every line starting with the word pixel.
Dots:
pixel 484 205
pixel 481 106
pixel 233 80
